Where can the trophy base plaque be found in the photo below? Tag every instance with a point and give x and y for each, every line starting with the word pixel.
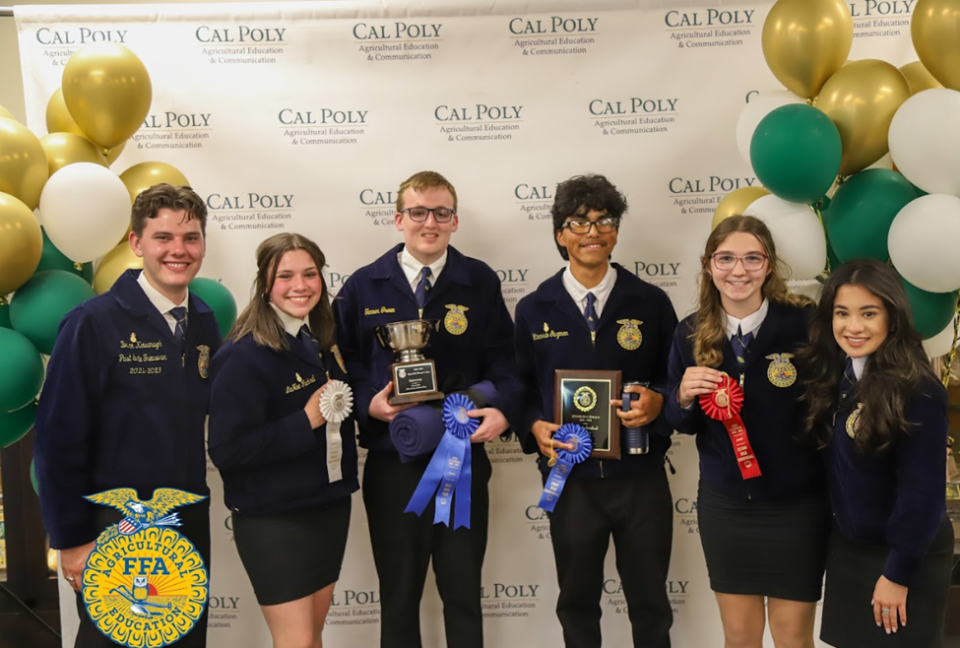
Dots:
pixel 414 382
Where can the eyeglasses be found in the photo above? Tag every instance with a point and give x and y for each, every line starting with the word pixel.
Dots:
pixel 419 214
pixel 582 225
pixel 725 261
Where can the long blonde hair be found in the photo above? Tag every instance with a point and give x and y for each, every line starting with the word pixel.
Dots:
pixel 709 329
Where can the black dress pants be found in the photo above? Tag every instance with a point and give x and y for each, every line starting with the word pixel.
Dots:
pixel 196 527
pixel 638 511
pixel 403 545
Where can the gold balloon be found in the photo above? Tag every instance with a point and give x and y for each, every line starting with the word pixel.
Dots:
pixel 114 153
pixel 142 176
pixel 806 41
pixel 935 28
pixel 66 148
pixel 861 99
pixel 21 243
pixel 23 164
pixel 736 202
pixel 115 263
pixel 919 77
pixel 58 117
pixel 107 90
pixel 7 114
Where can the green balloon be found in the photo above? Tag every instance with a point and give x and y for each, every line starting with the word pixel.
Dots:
pixel 15 425
pixel 931 311
pixel 5 316
pixel 40 304
pixel 795 152
pixel 863 209
pixel 33 477
pixel 22 374
pixel 219 299
pixel 53 259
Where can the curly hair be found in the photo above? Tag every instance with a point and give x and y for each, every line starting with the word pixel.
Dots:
pixel 894 371
pixel 580 195
pixel 709 330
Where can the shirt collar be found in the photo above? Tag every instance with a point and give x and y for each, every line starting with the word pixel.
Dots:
pixel 749 324
pixel 601 291
pixel 160 301
pixel 411 267
pixel 291 324
pixel 859 364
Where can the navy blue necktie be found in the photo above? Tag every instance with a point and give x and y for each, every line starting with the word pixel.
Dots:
pixel 741 345
pixel 590 314
pixel 847 380
pixel 423 288
pixel 307 341
pixel 180 315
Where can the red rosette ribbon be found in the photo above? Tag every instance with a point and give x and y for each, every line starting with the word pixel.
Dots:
pixel 724 405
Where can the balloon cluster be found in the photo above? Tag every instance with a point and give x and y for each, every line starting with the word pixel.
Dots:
pixel 848 154
pixel 47 257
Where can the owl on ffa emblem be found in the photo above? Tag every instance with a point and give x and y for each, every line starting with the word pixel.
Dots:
pixel 629 335
pixel 456 321
pixel 781 371
pixel 145 584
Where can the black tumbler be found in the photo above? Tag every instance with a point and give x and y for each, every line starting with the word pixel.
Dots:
pixel 635 440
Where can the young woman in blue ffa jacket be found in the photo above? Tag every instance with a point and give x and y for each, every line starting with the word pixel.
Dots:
pixel 762 507
pixel 881 415
pixel 593 315
pixel 287 472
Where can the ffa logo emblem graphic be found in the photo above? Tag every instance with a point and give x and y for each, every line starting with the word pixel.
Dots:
pixel 629 335
pixel 456 321
pixel 203 362
pixel 781 371
pixel 144 584
pixel 584 399
pixel 853 422
pixel 133 337
pixel 339 358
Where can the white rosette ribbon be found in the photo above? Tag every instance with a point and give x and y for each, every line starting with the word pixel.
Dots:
pixel 336 404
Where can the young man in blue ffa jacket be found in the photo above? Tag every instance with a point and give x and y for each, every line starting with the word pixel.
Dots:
pixel 424 277
pixel 125 399
pixel 594 315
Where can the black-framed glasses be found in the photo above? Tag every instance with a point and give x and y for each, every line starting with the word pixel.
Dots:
pixel 727 261
pixel 583 225
pixel 419 214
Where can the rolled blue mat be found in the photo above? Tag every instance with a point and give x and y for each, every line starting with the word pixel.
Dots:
pixel 417 431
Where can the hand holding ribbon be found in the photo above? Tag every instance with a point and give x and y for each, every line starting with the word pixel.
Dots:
pixel 336 405
pixel 450 466
pixel 578 437
pixel 724 405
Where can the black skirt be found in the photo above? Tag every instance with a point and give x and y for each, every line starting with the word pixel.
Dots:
pixel 852 572
pixel 764 548
pixel 292 554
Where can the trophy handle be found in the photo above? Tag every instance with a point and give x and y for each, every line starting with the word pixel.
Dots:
pixel 380 337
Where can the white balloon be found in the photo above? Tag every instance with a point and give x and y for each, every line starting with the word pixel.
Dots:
pixel 922 242
pixel 86 210
pixel 753 113
pixel 797 233
pixel 940 344
pixel 924 140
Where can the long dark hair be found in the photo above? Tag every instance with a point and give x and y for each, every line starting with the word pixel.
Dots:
pixel 708 325
pixel 893 373
pixel 259 319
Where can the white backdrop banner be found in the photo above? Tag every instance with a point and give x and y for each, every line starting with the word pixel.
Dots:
pixel 306 116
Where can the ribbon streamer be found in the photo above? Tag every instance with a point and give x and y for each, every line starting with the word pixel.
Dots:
pixel 724 405
pixel 566 460
pixel 336 405
pixel 449 472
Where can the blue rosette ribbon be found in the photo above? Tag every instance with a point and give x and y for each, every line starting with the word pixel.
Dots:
pixel 566 460
pixel 448 472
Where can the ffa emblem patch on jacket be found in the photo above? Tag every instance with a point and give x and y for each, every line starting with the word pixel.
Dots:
pixel 629 335
pixel 145 584
pixel 203 362
pixel 781 371
pixel 456 320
